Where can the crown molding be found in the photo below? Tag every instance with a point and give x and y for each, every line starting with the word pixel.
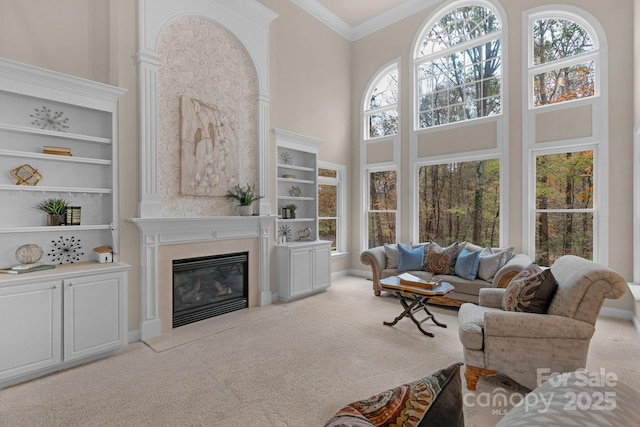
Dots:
pixel 381 21
pixel 390 17
pixel 324 15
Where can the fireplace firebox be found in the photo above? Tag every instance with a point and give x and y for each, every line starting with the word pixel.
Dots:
pixel 209 286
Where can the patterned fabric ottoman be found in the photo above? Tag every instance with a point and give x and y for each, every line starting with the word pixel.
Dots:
pixel 434 400
pixel 579 398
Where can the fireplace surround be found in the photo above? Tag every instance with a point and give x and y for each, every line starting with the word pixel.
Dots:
pixel 166 239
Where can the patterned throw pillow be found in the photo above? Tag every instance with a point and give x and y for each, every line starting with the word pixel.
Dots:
pixel 530 270
pixel 440 260
pixel 532 294
pixel 432 400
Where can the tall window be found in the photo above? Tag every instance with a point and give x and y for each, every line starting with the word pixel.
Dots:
pixel 460 201
pixel 566 201
pixel 381 109
pixel 380 156
pixel 458 67
pixel 382 207
pixel 331 205
pixel 564 205
pixel 563 63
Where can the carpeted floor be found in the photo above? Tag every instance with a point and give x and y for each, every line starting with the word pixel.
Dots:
pixel 291 364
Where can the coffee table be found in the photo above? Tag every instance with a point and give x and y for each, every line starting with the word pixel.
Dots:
pixel 414 299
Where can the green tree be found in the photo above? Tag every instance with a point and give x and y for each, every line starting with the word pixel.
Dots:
pixel 564 184
pixel 382 207
pixel 460 201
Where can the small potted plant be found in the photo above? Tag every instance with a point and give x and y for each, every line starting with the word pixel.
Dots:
pixel 56 210
pixel 292 210
pixel 244 196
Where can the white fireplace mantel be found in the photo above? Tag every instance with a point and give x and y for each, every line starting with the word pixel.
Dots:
pixel 155 232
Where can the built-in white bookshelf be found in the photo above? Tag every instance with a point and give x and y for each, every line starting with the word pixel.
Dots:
pixel 303 260
pixel 76 312
pixel 41 108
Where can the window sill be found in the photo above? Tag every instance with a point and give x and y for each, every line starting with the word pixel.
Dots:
pixel 339 255
pixel 635 290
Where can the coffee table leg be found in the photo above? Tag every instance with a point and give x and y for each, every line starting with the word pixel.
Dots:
pixel 430 315
pixel 407 309
pixel 419 322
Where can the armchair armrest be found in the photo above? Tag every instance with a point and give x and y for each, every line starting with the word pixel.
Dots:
pixel 491 297
pixel 510 270
pixel 377 260
pixel 533 325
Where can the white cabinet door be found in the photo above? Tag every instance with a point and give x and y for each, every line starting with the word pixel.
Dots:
pixel 322 267
pixel 303 269
pixel 30 328
pixel 94 314
pixel 301 265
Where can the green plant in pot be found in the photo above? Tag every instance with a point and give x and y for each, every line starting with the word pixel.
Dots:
pixel 56 210
pixel 243 196
pixel 292 209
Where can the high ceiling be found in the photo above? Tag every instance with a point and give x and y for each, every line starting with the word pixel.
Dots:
pixel 355 12
pixel 354 19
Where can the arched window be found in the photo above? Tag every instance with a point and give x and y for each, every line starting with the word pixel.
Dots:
pixel 458 66
pixel 562 61
pixel 567 171
pixel 380 156
pixel 381 105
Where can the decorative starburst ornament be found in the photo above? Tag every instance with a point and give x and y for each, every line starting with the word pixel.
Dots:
pixel 285 231
pixel 47 119
pixel 66 250
pixel 286 158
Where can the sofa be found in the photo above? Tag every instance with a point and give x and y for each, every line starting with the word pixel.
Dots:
pixel 496 267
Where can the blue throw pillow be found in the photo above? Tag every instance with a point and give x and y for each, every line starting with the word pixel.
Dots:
pixel 467 264
pixel 410 259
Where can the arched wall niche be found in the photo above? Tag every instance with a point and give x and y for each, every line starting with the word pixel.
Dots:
pixel 204 65
pixel 246 20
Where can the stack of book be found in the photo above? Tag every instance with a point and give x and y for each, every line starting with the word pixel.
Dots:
pixel 407 279
pixel 58 151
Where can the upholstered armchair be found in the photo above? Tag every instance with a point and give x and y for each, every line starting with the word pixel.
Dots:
pixel 517 343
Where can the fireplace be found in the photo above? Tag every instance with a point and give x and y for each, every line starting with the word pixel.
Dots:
pixel 209 286
pixel 164 240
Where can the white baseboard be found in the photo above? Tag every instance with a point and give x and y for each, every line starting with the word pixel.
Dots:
pixel 134 336
pixel 358 273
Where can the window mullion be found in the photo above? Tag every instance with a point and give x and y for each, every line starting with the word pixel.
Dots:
pixel 562 63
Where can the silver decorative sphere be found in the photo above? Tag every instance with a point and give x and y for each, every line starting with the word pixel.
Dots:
pixel 29 253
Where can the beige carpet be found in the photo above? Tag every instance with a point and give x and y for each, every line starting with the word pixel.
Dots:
pixel 196 331
pixel 293 365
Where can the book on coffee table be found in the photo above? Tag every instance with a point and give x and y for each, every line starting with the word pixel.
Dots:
pixel 408 279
